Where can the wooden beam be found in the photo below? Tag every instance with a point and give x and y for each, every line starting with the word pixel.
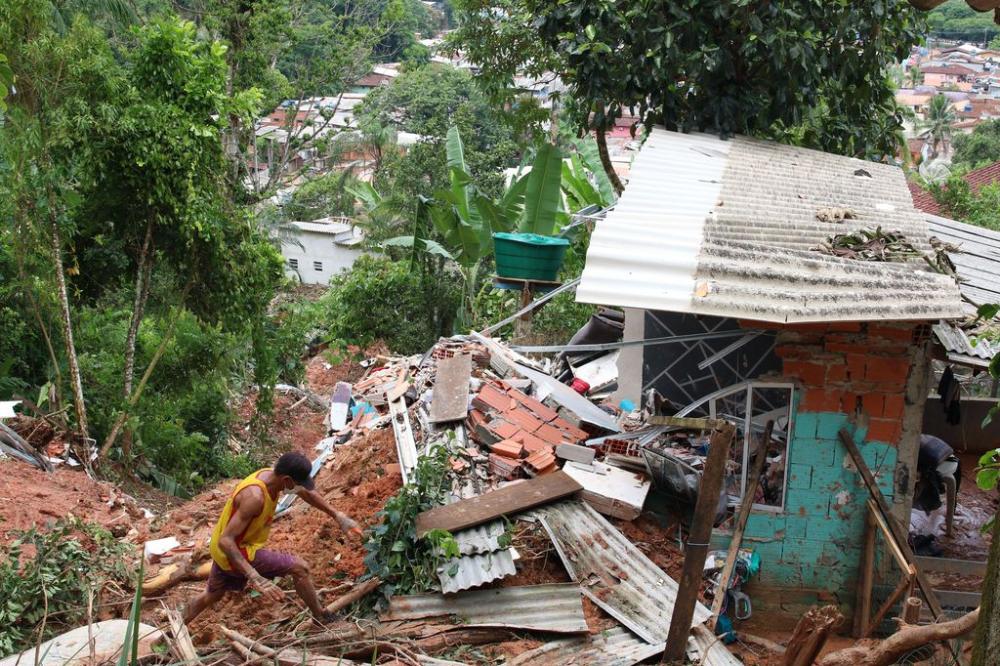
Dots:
pixel 503 502
pixel 901 591
pixel 742 516
pixel 900 535
pixel 866 580
pixel 897 554
pixel 697 544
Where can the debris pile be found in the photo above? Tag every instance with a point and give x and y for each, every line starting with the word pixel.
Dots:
pixel 871 245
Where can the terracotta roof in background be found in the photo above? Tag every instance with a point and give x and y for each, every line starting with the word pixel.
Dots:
pixel 373 79
pixel 955 70
pixel 977 179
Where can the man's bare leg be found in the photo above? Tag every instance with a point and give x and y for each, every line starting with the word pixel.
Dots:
pixel 204 600
pixel 304 586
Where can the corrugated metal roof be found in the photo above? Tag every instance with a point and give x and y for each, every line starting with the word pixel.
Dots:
pixel 557 608
pixel 483 538
pixel 977 260
pixel 615 647
pixel 706 648
pixel 612 571
pixel 476 570
pixel 727 228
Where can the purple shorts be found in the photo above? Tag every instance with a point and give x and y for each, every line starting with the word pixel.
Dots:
pixel 270 564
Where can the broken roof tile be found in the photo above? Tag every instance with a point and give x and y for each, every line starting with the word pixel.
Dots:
pixel 504 429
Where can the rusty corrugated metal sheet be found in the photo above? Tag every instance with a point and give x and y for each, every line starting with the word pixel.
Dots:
pixel 475 570
pixel 707 649
pixel 612 571
pixel 727 228
pixel 557 608
pixel 616 647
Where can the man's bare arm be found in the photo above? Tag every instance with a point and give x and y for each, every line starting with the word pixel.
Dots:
pixel 314 499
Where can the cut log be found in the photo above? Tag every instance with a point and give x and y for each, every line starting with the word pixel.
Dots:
pixel 911 610
pixel 810 635
pixel 172 574
pixel 908 638
pixel 357 593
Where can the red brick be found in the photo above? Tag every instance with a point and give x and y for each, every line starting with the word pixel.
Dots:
pixel 849 402
pixel 894 406
pixel 811 374
pixel 507 448
pixel 885 430
pixel 476 419
pixel 492 398
pixel 886 370
pixel 575 434
pixel 836 372
pixel 503 429
pixel 848 326
pixel 874 404
pixel 891 332
pixel 543 412
pixel 523 419
pixel 820 400
pixel 529 441
pixel 505 468
pixel 808 328
pixel 553 435
pixel 847 348
pixel 856 366
pixel 542 460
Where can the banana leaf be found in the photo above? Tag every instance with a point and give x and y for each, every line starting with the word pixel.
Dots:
pixel 592 160
pixel 542 195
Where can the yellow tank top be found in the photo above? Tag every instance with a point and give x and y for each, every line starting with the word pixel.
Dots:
pixel 257 531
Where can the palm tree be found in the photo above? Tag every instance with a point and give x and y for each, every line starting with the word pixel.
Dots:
pixel 914 77
pixel 937 123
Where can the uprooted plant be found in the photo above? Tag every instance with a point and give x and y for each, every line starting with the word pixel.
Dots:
pixel 49 579
pixel 395 554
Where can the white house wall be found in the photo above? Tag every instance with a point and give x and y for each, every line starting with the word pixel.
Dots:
pixel 332 258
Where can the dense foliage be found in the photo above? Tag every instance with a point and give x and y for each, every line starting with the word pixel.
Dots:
pixel 956 20
pixel 959 201
pixel 47 577
pixel 978 149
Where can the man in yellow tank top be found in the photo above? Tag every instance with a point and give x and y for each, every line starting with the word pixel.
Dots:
pixel 243 528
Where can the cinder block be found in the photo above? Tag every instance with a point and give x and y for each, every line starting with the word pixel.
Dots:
pixel 807 503
pixel 801 551
pixel 795 526
pixel 765 525
pixel 831 479
pixel 829 425
pixel 800 476
pixel 805 425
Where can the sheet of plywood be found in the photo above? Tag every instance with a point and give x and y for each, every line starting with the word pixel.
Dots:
pixel 506 501
pixel 451 389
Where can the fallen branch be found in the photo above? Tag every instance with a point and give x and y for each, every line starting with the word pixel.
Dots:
pixel 357 593
pixel 172 574
pixel 908 638
pixel 313 399
pixel 810 635
pixel 256 652
pixel 13 440
pixel 181 645
pixel 760 641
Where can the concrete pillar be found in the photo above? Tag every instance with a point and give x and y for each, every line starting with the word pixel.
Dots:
pixel 630 360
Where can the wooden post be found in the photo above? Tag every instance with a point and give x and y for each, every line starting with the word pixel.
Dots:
pixel 866 579
pixel 522 327
pixel 899 534
pixel 697 543
pixel 741 524
pixel 911 610
pixel 810 635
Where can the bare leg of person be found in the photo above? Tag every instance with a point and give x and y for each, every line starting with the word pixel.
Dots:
pixel 204 600
pixel 304 586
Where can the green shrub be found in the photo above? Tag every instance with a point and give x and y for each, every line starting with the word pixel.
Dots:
pixel 384 300
pixel 52 583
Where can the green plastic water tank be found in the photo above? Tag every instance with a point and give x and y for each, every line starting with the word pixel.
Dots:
pixel 529 256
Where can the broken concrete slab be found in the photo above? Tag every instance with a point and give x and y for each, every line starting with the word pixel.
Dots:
pixel 613 491
pixel 72 647
pixel 576 453
pixel 451 389
pixel 507 501
pixel 340 406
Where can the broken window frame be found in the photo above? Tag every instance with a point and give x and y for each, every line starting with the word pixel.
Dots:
pixel 748 388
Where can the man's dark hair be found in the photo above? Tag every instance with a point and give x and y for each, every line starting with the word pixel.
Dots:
pixel 297 466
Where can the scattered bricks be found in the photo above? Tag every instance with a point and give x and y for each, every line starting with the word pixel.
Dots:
pixel 887 370
pixel 505 468
pixel 551 435
pixel 507 448
pixel 542 462
pixel 874 404
pixel 543 412
pixel 523 420
pixel 476 419
pixel 799 476
pixel 575 434
pixel 622 447
pixel 490 398
pixel 530 443
pixel 458 465
pixel 486 436
pixel 885 430
pixel 503 429
pixel 894 406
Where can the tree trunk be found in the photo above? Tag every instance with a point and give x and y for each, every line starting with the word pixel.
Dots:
pixel 67 325
pixel 143 274
pixel 43 327
pixel 987 640
pixel 602 149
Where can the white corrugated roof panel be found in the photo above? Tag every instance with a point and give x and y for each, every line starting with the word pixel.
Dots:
pixel 727 228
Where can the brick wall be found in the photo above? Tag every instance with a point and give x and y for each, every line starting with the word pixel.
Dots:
pixel 848 374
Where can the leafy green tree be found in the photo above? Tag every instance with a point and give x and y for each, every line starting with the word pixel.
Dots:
pixel 980 148
pixel 937 123
pixel 957 198
pixel 956 20
pixel 727 66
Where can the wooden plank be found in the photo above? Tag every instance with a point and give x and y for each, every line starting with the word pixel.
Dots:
pixel 503 502
pixel 686 422
pixel 950 565
pixel 897 554
pixel 697 544
pixel 866 580
pixel 742 516
pixel 451 389
pixel 900 535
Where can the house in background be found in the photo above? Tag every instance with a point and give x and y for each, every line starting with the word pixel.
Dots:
pixel 717 239
pixel 955 77
pixel 977 179
pixel 316 251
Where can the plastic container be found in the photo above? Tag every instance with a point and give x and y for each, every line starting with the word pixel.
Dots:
pixel 529 256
